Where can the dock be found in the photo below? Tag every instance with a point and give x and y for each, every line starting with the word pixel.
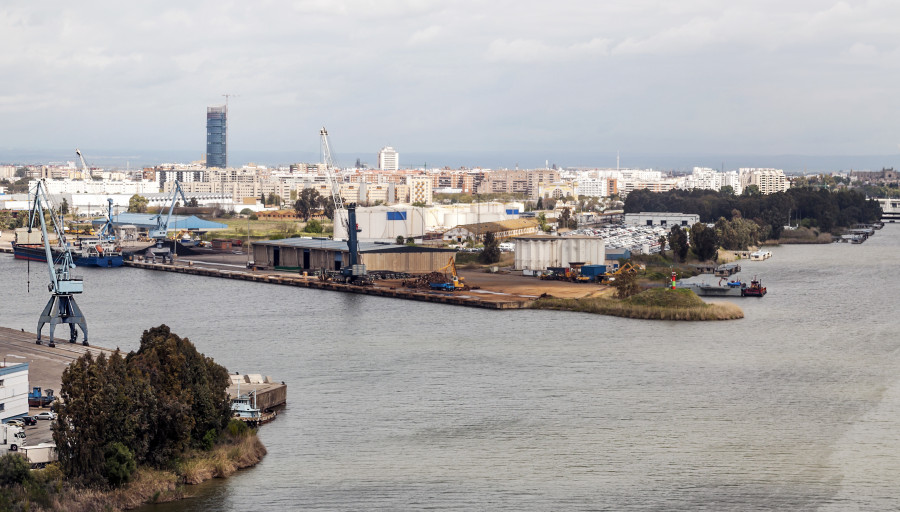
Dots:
pixel 315 283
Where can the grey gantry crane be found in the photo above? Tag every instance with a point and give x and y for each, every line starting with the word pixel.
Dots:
pixel 61 309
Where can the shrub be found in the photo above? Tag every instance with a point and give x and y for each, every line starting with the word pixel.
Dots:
pixel 237 428
pixel 314 226
pixel 14 469
pixel 119 464
pixel 209 439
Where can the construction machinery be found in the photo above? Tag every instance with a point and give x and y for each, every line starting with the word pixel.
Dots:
pixel 36 399
pixel 353 272
pixel 453 282
pixel 61 309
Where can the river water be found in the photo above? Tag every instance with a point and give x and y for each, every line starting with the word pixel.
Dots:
pixel 399 405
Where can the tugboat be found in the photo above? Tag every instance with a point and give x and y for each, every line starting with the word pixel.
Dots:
pixel 243 410
pixel 756 289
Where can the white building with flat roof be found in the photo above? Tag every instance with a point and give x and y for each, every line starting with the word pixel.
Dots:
pixel 388 159
pixel 665 219
pixel 13 390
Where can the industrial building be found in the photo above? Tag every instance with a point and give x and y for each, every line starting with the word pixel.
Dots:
pixel 501 230
pixel 13 390
pixel 386 223
pixel 661 219
pixel 543 251
pixel 308 254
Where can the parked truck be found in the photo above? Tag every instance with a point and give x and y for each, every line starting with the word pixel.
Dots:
pixel 11 438
pixel 36 399
pixel 40 455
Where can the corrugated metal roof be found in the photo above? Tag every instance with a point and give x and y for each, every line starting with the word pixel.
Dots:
pixel 341 245
pixel 148 220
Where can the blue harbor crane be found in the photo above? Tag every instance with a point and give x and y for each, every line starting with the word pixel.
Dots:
pixel 61 309
pixel 162 227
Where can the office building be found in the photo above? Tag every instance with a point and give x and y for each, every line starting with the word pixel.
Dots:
pixel 216 136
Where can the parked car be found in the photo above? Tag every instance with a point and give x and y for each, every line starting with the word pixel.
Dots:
pixel 16 423
pixel 46 415
pixel 29 420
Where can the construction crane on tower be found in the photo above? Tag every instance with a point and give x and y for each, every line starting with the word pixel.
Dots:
pixel 61 309
pixel 354 272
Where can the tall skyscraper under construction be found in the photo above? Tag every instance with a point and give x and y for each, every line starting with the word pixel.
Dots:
pixel 216 136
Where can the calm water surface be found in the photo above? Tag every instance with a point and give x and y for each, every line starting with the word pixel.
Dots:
pixel 396 405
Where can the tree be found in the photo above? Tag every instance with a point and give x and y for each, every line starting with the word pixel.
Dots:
pixel 246 211
pixel 193 203
pixel 491 252
pixel 678 243
pixel 704 241
pixel 542 222
pixel 626 285
pixel 64 207
pixel 540 204
pixel 308 201
pixel 400 240
pixel 727 190
pixel 137 204
pixel 156 403
pixel 566 220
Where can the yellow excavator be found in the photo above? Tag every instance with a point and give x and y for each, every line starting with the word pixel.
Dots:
pixel 455 282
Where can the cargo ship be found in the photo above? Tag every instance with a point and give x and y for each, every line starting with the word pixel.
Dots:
pixel 91 252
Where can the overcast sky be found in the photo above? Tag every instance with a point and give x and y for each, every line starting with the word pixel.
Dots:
pixel 810 77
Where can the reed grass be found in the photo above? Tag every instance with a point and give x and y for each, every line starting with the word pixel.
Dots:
pixel 653 304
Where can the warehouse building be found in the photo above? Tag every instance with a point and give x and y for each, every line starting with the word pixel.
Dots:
pixel 543 251
pixel 661 219
pixel 307 254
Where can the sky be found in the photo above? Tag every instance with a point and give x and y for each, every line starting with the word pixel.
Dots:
pixel 447 77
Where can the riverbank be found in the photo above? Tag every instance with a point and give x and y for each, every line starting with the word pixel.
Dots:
pixel 47 489
pixel 652 304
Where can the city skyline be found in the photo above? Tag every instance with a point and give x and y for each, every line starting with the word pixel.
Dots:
pixel 696 78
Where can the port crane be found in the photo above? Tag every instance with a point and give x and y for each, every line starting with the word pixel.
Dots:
pixel 85 170
pixel 354 271
pixel 162 226
pixel 61 309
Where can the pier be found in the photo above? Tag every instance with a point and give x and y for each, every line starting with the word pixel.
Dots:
pixel 454 298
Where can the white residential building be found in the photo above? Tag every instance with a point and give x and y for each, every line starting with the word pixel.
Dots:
pixel 420 189
pixel 13 390
pixel 710 179
pixel 768 181
pixel 388 159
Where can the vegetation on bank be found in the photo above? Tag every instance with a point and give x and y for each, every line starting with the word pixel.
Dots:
pixel 652 304
pixel 133 429
pixel 808 207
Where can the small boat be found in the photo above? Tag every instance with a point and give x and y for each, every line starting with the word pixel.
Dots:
pixel 754 290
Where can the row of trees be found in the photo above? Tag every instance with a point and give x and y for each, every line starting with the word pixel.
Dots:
pixel 737 234
pixel 145 408
pixel 817 208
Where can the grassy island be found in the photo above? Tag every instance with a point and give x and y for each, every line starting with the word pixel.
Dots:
pixel 652 304
pixel 134 429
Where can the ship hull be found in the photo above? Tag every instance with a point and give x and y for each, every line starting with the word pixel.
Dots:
pixel 35 252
